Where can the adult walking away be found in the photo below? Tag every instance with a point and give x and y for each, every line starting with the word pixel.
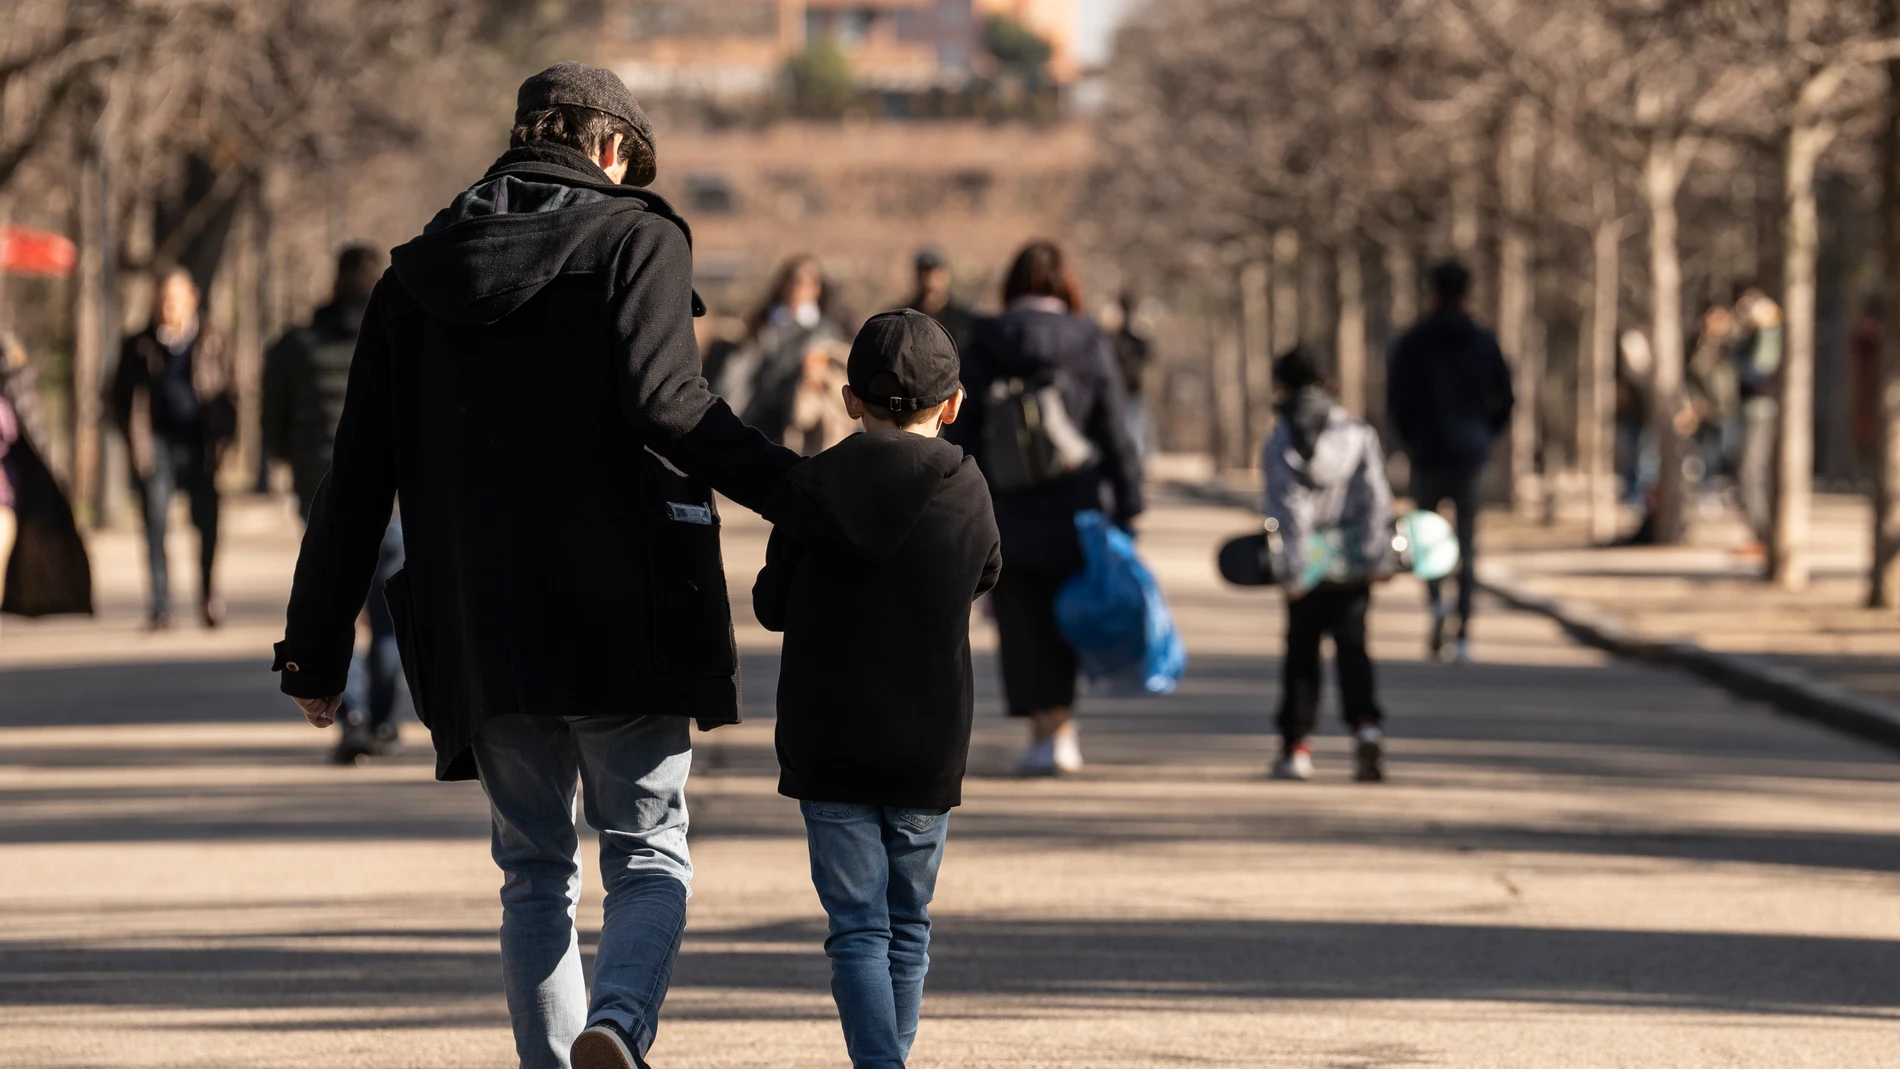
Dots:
pixel 1043 350
pixel 174 398
pixel 43 565
pixel 1449 396
pixel 527 384
pixel 305 376
pixel 931 295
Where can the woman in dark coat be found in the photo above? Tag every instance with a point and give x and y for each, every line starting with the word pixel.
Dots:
pixel 1042 338
pixel 46 573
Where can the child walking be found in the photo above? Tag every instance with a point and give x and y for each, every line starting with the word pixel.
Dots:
pixel 1325 470
pixel 880 544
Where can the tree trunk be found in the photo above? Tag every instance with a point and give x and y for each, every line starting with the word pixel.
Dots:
pixel 1596 396
pixel 1517 172
pixel 1662 180
pixel 93 334
pixel 1401 271
pixel 1349 346
pixel 1788 550
pixel 1286 290
pixel 1256 320
pixel 1883 588
pixel 1229 398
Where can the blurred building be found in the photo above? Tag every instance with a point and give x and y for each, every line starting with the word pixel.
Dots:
pixel 737 49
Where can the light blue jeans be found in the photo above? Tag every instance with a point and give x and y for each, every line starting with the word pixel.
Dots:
pixel 875 870
pixel 634 772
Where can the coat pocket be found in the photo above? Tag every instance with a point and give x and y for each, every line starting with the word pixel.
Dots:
pixel 402 612
pixel 691 620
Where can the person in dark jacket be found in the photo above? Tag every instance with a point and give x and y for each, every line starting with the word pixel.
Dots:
pixel 931 295
pixel 308 371
pixel 527 383
pixel 44 570
pixel 880 544
pixel 1448 393
pixel 1042 336
pixel 175 400
pixel 305 377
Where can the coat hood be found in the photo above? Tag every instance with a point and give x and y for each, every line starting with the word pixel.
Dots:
pixel 864 495
pixel 1315 427
pixel 506 237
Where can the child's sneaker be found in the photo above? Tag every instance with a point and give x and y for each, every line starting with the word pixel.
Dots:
pixel 1295 763
pixel 1461 651
pixel 1435 638
pixel 1369 750
pixel 1038 760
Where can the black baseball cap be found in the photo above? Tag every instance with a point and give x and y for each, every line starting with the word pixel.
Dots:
pixel 930 257
pixel 903 361
pixel 578 85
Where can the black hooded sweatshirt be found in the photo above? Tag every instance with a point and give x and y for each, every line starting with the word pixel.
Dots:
pixel 880 545
pixel 521 372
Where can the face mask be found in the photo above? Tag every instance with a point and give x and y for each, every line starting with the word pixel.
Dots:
pixel 806 315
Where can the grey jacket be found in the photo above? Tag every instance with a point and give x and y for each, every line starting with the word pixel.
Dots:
pixel 1325 469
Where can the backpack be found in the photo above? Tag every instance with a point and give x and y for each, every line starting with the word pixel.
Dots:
pixel 1028 438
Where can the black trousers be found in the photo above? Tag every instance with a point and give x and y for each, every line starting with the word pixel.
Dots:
pixel 1341 613
pixel 1038 662
pixel 1432 487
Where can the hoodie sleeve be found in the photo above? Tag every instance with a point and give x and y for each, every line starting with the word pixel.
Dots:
pixel 664 398
pixel 1283 506
pixel 1500 395
pixel 1375 494
pixel 347 521
pixel 772 592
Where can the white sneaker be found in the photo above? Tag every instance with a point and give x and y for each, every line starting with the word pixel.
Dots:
pixel 1461 651
pixel 1068 750
pixel 1295 764
pixel 1038 760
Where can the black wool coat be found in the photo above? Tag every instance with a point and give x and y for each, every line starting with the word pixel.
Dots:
pixel 48 573
pixel 1038 524
pixel 1448 391
pixel 880 545
pixel 527 383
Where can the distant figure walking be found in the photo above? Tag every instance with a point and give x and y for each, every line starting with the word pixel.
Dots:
pixel 1132 355
pixel 175 400
pixel 932 296
pixel 1757 355
pixel 1043 351
pixel 306 375
pixel 1449 396
pixel 787 379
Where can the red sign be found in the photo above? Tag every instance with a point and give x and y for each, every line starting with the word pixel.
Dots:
pixel 36 252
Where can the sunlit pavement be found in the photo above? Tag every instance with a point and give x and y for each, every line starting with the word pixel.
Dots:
pixel 1577 863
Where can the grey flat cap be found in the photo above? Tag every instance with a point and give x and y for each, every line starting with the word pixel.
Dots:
pixel 578 85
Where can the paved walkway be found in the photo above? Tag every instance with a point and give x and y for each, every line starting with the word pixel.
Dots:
pixel 1578 863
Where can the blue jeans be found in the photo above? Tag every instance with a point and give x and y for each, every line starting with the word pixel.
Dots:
pixel 372 682
pixel 178 466
pixel 875 870
pixel 634 772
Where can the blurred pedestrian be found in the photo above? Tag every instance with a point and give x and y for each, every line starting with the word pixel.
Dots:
pixel 1757 356
pixel 1449 396
pixel 1713 395
pixel 793 342
pixel 931 295
pixel 43 565
pixel 175 400
pixel 306 375
pixel 878 548
pixel 527 382
pixel 1325 472
pixel 1044 347
pixel 1131 358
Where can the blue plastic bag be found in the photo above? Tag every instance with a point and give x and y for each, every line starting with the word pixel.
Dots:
pixel 1114 614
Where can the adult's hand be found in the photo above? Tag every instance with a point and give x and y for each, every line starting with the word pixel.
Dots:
pixel 321 712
